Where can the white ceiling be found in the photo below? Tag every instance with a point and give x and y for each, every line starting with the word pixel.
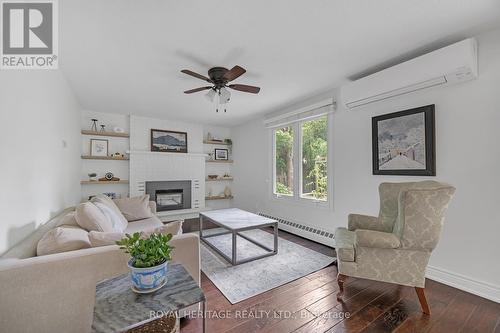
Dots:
pixel 125 56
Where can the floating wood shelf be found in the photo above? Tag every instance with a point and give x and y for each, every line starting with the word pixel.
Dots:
pixel 219 198
pixel 210 142
pixel 102 182
pixel 219 161
pixel 221 179
pixel 109 158
pixel 110 134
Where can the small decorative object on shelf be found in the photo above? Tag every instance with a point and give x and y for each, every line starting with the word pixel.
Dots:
pixel 118 155
pixel 92 177
pixel 149 260
pixel 109 177
pixel 118 130
pixel 226 175
pixel 209 136
pixel 93 127
pixel 229 142
pixel 210 156
pixel 227 192
pixel 103 128
pixel 213 177
pixel 98 147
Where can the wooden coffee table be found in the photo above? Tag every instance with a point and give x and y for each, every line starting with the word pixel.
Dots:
pixel 235 221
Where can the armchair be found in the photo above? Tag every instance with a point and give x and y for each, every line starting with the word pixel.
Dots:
pixel 395 247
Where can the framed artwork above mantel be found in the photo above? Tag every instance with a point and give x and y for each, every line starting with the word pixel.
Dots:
pixel 404 143
pixel 168 141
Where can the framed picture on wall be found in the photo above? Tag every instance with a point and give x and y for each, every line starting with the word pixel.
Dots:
pixel 168 141
pixel 403 143
pixel 221 154
pixel 98 147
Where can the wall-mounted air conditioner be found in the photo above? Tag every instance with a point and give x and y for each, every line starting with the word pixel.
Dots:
pixel 451 64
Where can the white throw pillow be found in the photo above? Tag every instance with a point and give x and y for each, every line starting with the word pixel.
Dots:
pixel 68 219
pixel 89 217
pixel 118 224
pixel 63 239
pixel 104 199
pixel 98 238
pixel 174 228
pixel 136 208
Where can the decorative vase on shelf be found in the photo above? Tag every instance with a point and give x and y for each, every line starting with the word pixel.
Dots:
pixel 227 192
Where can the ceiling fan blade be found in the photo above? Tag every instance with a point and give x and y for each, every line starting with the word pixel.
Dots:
pixel 234 73
pixel 196 75
pixel 197 89
pixel 245 88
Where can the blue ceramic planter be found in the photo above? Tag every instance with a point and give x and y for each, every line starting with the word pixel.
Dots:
pixel 145 279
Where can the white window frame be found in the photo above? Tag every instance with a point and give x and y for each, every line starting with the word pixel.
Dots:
pixel 297 198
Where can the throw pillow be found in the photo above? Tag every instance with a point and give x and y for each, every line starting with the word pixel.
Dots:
pixel 116 221
pixel 136 208
pixel 89 217
pixel 174 228
pixel 98 238
pixel 104 199
pixel 68 219
pixel 63 239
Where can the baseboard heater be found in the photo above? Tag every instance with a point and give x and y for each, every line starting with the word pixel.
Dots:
pixel 315 233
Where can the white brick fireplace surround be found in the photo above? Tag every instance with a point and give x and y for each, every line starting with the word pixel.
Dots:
pixel 156 166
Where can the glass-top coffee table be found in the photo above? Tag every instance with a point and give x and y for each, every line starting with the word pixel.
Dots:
pixel 118 309
pixel 235 221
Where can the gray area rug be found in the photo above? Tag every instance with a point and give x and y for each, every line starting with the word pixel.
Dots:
pixel 243 281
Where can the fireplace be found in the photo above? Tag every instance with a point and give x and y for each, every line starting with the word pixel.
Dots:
pixel 170 195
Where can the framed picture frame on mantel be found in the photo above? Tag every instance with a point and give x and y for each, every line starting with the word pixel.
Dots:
pixel 404 143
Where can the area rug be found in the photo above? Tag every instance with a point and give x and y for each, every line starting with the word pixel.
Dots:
pixel 243 281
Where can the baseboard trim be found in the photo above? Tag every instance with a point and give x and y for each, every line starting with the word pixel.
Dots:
pixel 479 288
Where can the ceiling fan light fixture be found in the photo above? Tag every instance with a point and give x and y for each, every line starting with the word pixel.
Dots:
pixel 210 95
pixel 224 95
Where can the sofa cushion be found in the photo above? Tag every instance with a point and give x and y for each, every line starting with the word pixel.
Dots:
pixel 105 200
pixel 89 217
pixel 98 238
pixel 345 240
pixel 136 208
pixel 143 225
pixel 63 239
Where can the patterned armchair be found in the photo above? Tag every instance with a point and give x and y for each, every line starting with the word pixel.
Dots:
pixel 396 246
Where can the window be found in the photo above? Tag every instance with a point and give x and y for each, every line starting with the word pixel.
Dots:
pixel 304 177
pixel 314 147
pixel 283 162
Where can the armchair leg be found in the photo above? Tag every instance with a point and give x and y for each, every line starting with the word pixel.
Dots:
pixel 340 280
pixel 423 300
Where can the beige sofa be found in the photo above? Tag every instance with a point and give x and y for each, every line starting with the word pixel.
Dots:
pixel 55 293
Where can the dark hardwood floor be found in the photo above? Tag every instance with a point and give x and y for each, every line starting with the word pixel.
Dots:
pixel 309 305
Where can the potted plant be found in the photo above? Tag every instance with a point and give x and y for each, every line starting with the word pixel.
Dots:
pixel 149 259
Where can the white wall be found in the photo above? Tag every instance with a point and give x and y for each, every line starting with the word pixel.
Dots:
pixel 468 156
pixel 39 149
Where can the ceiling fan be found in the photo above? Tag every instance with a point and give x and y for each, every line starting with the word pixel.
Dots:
pixel 219 78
